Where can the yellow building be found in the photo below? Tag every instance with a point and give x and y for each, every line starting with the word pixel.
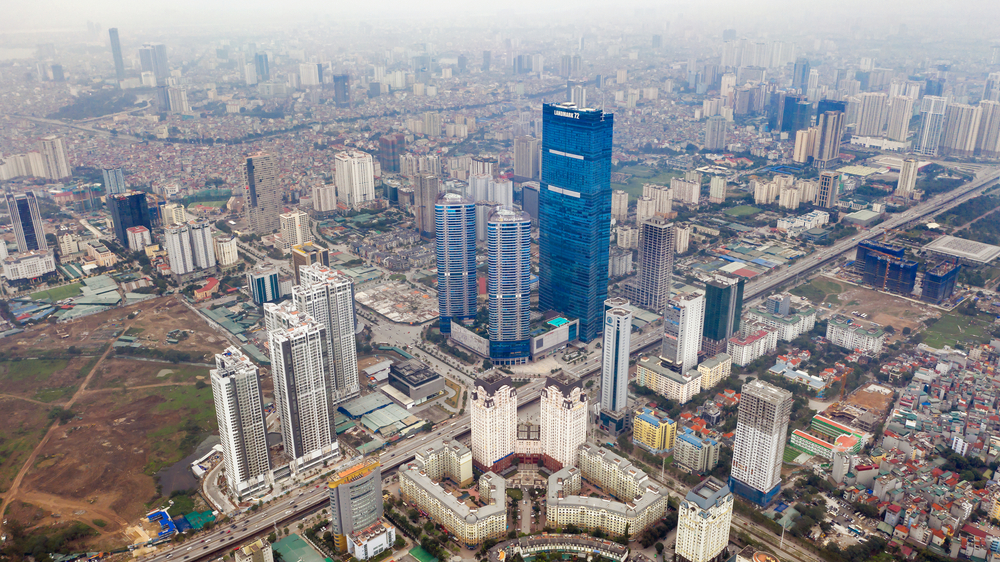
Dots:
pixel 715 369
pixel 355 500
pixel 653 430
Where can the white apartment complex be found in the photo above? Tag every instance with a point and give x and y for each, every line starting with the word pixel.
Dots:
pixel 753 342
pixel 761 433
pixel 493 409
pixel 564 414
pixel 664 378
pixel 446 458
pixel 355 178
pixel 226 250
pixel 328 296
pixel 842 332
pixel 615 350
pixel 294 229
pixel 789 327
pixel 299 364
pixel 471 526
pixel 239 409
pixel 703 520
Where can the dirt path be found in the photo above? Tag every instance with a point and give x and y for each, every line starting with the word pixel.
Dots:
pixel 15 486
pixel 16 397
pixel 140 387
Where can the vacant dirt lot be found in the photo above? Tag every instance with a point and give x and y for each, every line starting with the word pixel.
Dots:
pixel 119 372
pixel 152 326
pixel 883 309
pixel 22 428
pixel 102 464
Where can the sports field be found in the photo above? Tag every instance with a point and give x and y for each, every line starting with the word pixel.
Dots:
pixel 59 293
pixel 741 211
pixel 293 549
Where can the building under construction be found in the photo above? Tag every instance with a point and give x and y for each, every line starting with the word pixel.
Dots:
pixel 885 267
pixel 939 282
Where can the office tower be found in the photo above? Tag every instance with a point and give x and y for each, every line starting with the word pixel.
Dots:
pixel 723 307
pixel 615 364
pixel 872 114
pixel 26 221
pixel 961 127
pixel 717 190
pixel 487 57
pixel 226 252
pixel 355 178
pixel 575 208
pixel 932 112
pixel 564 411
pixel 508 247
pixel 256 551
pixel 900 113
pixel 389 149
pixel 116 54
pixel 114 181
pixel 829 186
pixel 455 225
pixel 761 432
pixel 177 241
pixel 261 194
pixel 830 105
pixel 526 157
pixel 619 205
pixel 295 229
pixel 703 521
pixel 683 325
pixel 425 198
pixel 656 263
pixel 907 177
pixel 355 500
pixel 162 98
pixel 342 90
pixel 262 282
pixel 239 408
pixel 262 67
pixel 715 133
pixel 800 75
pixel 308 254
pixel 830 129
pixel 153 58
pixel 796 114
pixel 250 74
pixel 327 296
pixel 493 410
pixel 127 210
pixel 54 161
pixel 300 360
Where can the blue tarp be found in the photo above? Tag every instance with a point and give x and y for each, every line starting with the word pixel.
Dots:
pixel 182 524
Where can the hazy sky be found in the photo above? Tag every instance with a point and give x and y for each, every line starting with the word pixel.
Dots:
pixel 27 16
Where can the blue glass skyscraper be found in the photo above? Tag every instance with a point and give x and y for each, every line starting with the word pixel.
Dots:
pixel 455 225
pixel 508 246
pixel 574 207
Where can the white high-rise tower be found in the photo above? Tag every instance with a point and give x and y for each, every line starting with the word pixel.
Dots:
pixel 907 177
pixel 242 430
pixel 703 521
pixel 493 408
pixel 614 368
pixel 300 363
pixel 328 296
pixel 564 421
pixel 761 432
pixel 355 178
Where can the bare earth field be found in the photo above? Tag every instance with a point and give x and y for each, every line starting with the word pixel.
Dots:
pixel 130 417
pixel 883 309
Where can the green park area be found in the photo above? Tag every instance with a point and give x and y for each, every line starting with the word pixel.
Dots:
pixel 820 290
pixel 741 211
pixel 58 293
pixel 641 175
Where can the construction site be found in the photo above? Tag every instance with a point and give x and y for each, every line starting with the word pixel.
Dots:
pixel 865 408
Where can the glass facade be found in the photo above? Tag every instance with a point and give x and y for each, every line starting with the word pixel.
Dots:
pixel 128 210
pixel 575 213
pixel 508 245
pixel 455 224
